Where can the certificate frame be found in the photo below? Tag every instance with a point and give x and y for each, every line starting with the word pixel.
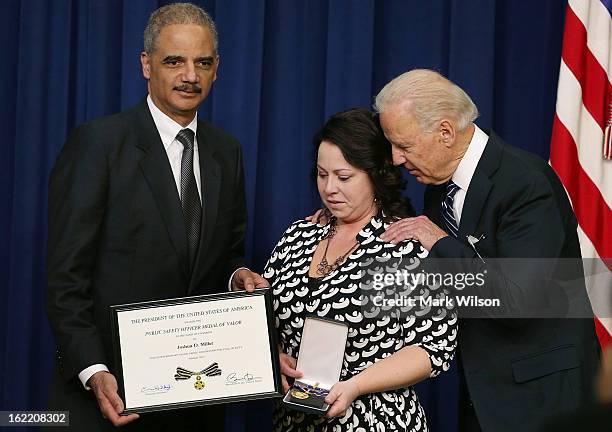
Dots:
pixel 272 380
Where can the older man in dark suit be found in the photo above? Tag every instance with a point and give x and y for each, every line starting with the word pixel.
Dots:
pixel 145 204
pixel 485 201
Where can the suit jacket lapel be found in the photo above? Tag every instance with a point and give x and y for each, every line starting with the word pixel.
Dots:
pixel 474 201
pixel 210 178
pixel 432 202
pixel 156 169
pixel 480 186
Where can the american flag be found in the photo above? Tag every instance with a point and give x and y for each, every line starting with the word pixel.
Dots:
pixel 581 146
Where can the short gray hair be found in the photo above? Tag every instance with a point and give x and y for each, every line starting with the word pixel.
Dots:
pixel 431 98
pixel 177 13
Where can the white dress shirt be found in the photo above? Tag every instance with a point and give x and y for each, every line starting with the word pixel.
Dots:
pixel 466 168
pixel 168 130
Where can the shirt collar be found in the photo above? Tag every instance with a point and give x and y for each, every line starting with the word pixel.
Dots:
pixel 467 167
pixel 168 128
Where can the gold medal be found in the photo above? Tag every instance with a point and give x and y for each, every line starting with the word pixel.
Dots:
pixel 299 394
pixel 199 384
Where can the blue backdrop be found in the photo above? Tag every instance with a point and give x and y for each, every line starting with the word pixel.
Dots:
pixel 286 65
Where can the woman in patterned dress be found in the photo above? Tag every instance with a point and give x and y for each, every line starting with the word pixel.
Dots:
pixel 332 271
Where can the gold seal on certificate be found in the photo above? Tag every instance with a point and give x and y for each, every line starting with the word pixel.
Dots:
pixel 196 350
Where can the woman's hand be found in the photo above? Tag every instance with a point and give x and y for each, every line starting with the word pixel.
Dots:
pixel 288 369
pixel 341 396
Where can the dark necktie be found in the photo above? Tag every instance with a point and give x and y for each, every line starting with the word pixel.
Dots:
pixel 447 209
pixel 190 200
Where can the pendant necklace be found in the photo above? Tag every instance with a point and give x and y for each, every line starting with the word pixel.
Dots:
pixel 324 268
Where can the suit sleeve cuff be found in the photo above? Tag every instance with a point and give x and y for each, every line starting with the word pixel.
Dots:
pixel 87 373
pixel 229 284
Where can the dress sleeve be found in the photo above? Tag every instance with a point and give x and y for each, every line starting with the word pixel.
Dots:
pixel 437 335
pixel 432 325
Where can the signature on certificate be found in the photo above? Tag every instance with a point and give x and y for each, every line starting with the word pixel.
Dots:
pixel 156 388
pixel 241 378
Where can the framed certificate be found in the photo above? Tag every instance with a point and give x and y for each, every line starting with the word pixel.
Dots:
pixel 192 351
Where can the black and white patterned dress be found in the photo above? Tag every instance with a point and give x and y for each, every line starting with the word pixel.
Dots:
pixel 374 333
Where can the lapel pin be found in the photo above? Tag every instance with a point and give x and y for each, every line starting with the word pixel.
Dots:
pixel 472 241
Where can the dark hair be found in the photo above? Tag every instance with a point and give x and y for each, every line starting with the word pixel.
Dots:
pixel 358 135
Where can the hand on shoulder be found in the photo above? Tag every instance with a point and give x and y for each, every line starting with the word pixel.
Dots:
pixel 417 228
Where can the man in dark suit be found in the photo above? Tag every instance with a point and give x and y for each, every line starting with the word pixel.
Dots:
pixel 146 204
pixel 595 417
pixel 486 201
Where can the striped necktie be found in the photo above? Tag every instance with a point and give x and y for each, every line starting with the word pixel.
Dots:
pixel 190 199
pixel 447 209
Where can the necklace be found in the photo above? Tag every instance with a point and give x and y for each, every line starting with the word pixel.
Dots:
pixel 324 268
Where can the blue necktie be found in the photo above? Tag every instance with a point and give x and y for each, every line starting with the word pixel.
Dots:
pixel 190 199
pixel 447 209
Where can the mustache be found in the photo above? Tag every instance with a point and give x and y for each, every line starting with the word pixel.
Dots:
pixel 193 88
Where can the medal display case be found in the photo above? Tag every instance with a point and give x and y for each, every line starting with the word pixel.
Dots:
pixel 320 360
